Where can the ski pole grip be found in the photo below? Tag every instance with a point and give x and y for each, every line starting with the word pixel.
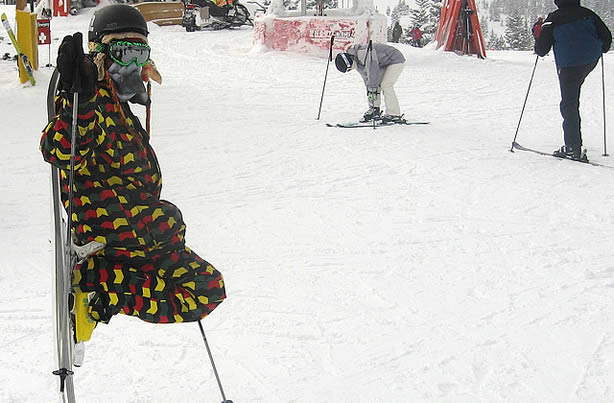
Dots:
pixel 330 53
pixel 77 45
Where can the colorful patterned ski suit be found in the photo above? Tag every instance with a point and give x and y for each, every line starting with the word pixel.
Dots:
pixel 145 269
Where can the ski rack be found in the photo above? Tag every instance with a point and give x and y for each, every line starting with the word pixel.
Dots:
pixel 63 268
pixel 459 28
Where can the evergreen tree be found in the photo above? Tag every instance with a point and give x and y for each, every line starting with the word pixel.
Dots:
pixel 429 27
pixel 483 24
pixel 292 4
pixel 402 7
pixel 604 8
pixel 496 42
pixel 394 16
pixel 434 11
pixel 313 4
pixel 516 16
pixel 419 16
pixel 517 34
pixel 494 13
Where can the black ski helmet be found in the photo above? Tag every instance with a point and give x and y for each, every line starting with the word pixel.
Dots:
pixel 344 62
pixel 116 18
pixel 566 3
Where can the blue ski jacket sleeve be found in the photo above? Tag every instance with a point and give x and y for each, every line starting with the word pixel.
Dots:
pixel 577 34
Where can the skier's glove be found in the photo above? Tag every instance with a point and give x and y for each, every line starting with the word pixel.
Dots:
pixel 537 28
pixel 372 96
pixel 78 72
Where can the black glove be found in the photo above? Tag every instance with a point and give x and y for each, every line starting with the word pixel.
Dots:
pixel 78 72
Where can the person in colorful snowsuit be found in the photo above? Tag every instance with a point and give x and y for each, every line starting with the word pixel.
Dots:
pixel 379 66
pixel 145 268
pixel 579 37
pixel 397 32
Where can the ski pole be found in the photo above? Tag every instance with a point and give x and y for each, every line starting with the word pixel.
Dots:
pixel 65 373
pixel 217 377
pixel 71 173
pixel 330 59
pixel 370 54
pixel 605 149
pixel 525 102
pixel 75 88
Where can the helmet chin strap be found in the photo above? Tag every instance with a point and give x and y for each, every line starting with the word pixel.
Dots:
pixel 148 110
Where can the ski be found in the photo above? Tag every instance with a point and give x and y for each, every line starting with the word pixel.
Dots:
pixel 352 125
pixel 516 146
pixel 24 58
pixel 64 333
pixel 71 318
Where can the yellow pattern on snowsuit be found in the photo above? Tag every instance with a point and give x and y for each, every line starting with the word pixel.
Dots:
pixel 145 269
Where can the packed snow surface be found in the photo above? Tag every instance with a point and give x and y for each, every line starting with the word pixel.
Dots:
pixel 402 264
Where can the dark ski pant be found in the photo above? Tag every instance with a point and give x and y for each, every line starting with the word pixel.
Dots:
pixel 570 82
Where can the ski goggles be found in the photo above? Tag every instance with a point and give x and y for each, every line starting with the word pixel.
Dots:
pixel 126 52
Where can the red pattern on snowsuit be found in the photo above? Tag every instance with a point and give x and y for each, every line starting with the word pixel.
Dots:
pixel 145 269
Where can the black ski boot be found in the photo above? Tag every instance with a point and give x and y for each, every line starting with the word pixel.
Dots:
pixel 572 153
pixel 372 113
pixel 391 119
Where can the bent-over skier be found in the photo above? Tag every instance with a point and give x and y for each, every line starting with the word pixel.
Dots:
pixel 145 268
pixel 380 67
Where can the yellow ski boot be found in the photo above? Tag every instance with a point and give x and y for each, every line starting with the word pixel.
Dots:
pixel 84 324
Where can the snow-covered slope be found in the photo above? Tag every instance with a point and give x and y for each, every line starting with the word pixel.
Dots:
pixel 404 264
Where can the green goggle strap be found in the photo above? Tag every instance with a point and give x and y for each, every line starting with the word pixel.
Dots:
pixel 124 63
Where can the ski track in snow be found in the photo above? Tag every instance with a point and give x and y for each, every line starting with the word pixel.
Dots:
pixel 405 264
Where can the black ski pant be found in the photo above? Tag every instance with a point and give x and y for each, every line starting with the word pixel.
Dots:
pixel 570 81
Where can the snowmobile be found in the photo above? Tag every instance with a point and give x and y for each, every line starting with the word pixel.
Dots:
pixel 77 5
pixel 207 14
pixel 7 56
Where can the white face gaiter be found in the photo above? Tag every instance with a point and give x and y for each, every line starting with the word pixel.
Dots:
pixel 128 83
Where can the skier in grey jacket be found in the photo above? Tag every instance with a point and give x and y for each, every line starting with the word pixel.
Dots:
pixel 380 67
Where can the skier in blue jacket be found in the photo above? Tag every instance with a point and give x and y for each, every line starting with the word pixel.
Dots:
pixel 578 37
